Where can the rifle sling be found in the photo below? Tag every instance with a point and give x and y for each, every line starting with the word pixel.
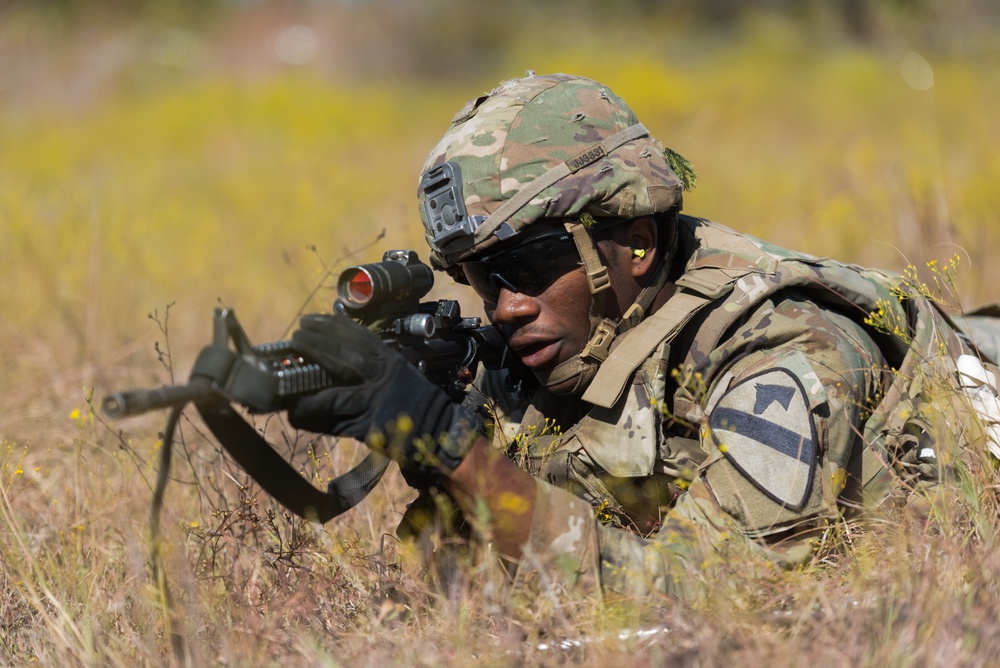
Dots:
pixel 277 477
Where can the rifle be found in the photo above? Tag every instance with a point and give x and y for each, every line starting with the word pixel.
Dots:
pixel 265 378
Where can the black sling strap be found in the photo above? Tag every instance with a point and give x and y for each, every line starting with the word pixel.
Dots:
pixel 231 376
pixel 277 477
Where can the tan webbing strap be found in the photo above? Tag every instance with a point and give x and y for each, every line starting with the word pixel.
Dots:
pixel 637 311
pixel 597 273
pixel 590 155
pixel 637 345
pixel 584 365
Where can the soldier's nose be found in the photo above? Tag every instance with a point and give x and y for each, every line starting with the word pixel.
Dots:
pixel 513 306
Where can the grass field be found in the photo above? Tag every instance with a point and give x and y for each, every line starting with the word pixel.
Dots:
pixel 136 196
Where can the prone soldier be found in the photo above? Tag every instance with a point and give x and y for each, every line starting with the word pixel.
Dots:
pixel 702 390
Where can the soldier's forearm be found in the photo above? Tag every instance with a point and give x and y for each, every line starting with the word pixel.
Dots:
pixel 496 496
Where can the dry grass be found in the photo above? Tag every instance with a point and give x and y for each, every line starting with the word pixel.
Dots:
pixel 127 184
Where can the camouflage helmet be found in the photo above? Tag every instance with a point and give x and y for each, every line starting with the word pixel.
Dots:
pixel 554 146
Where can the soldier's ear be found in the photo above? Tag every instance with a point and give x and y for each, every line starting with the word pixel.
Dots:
pixel 642 237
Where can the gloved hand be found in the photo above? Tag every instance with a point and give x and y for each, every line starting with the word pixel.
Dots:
pixel 380 398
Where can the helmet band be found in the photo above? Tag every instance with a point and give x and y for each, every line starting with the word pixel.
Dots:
pixel 590 155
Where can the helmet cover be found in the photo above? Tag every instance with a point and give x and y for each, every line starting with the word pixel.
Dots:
pixel 561 128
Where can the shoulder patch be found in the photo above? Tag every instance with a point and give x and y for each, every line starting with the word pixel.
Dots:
pixel 764 428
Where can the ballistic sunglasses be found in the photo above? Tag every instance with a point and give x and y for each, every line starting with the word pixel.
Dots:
pixel 528 268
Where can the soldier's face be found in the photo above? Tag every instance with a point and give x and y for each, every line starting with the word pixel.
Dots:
pixel 547 320
pixel 549 327
pixel 538 293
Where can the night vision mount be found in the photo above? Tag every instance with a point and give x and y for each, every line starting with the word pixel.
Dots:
pixel 445 215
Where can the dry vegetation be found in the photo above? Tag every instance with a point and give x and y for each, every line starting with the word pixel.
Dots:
pixel 147 168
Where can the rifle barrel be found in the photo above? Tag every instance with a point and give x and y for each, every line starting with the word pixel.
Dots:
pixel 137 402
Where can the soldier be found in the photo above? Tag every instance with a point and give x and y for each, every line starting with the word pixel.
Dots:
pixel 700 390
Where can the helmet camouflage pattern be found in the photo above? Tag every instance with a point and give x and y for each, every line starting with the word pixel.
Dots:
pixel 554 146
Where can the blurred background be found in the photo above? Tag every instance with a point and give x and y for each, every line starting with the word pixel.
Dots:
pixel 163 157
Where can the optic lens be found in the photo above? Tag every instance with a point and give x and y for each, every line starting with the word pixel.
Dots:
pixel 359 288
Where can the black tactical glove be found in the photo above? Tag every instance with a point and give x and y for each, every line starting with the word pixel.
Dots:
pixel 381 399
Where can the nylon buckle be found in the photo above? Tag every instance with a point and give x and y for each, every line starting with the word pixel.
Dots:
pixel 598 281
pixel 599 346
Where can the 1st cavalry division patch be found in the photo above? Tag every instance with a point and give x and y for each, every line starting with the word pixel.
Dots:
pixel 764 428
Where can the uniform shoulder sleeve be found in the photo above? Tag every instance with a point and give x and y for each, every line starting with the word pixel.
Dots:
pixel 783 422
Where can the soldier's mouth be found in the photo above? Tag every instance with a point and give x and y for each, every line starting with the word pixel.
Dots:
pixel 538 354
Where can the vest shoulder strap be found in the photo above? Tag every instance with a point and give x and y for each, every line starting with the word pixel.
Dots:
pixel 721 258
pixel 638 344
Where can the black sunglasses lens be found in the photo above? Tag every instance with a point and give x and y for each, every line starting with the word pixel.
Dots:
pixel 528 268
pixel 478 274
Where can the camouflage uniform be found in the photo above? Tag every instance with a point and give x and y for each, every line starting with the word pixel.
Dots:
pixel 779 420
pixel 750 411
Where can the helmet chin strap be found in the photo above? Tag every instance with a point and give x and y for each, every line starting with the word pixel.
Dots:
pixel 575 374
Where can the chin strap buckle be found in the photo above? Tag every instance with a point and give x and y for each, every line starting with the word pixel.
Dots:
pixel 598 281
pixel 599 346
